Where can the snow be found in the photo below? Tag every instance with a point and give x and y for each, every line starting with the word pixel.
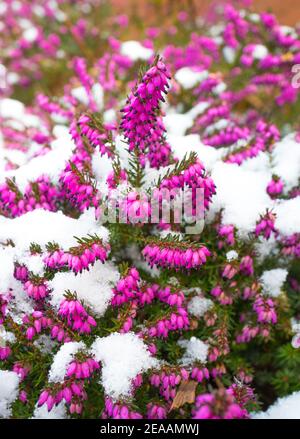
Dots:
pixel 102 166
pixel 61 229
pixel 135 50
pixel 286 161
pixel 45 343
pixel 231 255
pixel 288 216
pixel 6 337
pixel 198 109
pixel 62 359
pixel 20 303
pixel 93 286
pixel 109 115
pixel 198 306
pixel 7 267
pixel 182 145
pixel 196 350
pixel 30 34
pixel 9 383
pixel 287 407
pixel 123 357
pixel 11 108
pixel 273 280
pixel 80 94
pixel 177 124
pixel 260 51
pixel 229 54
pixel 50 164
pixel 34 263
pixel 59 411
pixel 220 125
pixel 295 325
pixel 242 195
pixel 98 95
pixel 265 248
pixel 188 77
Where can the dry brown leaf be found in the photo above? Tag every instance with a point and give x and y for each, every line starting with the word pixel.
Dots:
pixel 185 394
pixel 255 101
pixel 287 57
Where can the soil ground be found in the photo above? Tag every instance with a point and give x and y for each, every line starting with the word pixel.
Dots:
pixel 287 11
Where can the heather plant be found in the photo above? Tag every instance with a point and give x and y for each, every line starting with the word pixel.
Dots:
pixel 134 318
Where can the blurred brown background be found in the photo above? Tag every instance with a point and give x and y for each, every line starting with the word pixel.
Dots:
pixel 287 11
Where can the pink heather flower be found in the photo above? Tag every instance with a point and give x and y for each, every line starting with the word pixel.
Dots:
pixel 199 374
pixel 223 297
pixel 218 405
pixel 30 333
pixel 80 257
pixel 136 208
pixel 182 16
pixel 246 266
pixel 291 245
pixel 96 135
pixel 5 352
pixel 142 128
pixel 22 371
pixel 166 256
pixel 21 273
pixel 193 177
pixel 275 187
pixel 4 300
pixel 126 288
pixel 265 309
pixel 266 225
pixel 23 397
pixel 43 397
pixel 118 411
pixel 121 20
pixel 114 179
pixel 80 68
pixel 247 334
pixel 155 411
pixel 227 231
pixel 76 316
pixel 296 341
pixel 82 370
pixel 229 271
pixel 36 289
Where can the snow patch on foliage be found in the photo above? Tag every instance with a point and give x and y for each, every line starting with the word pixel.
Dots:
pixel 57 412
pixel 265 248
pixel 93 287
pixel 198 306
pixel 188 77
pixel 231 255
pixel 123 357
pixel 273 280
pixel 61 229
pixel 135 50
pixel 286 161
pixel 288 216
pixel 62 359
pixel 287 407
pixel 50 164
pixel 260 51
pixel 182 145
pixel 9 383
pixel 241 195
pixel 195 350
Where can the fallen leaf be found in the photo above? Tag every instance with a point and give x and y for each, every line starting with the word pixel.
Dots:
pixel 185 394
